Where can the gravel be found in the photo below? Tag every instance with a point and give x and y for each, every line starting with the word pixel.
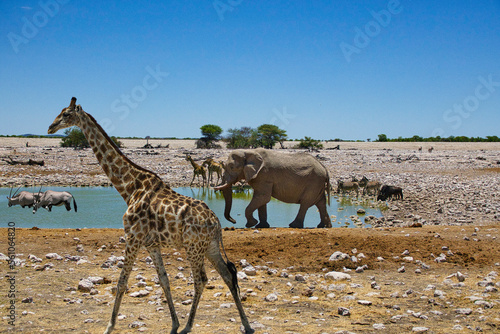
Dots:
pixel 449 186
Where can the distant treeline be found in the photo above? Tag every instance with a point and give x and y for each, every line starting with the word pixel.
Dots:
pixel 381 138
pixel 461 139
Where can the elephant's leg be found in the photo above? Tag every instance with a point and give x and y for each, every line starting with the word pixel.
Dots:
pixel 260 198
pixel 323 213
pixel 299 220
pixel 262 217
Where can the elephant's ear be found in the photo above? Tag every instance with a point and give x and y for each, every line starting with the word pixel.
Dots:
pixel 253 164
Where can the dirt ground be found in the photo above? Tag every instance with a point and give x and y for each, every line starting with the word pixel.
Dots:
pixel 289 264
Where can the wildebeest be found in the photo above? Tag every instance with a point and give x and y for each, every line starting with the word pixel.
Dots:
pixel 387 192
pixel 370 186
pixel 346 186
pixel 24 198
pixel 52 198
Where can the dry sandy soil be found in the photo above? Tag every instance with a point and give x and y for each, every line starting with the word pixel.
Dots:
pixel 291 264
pixel 403 284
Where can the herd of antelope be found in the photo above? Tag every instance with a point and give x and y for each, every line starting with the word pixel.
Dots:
pixel 45 200
pixel 381 192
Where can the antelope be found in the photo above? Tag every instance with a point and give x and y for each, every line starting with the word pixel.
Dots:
pixel 52 198
pixel 24 198
pixel 343 186
pixel 387 192
pixel 370 185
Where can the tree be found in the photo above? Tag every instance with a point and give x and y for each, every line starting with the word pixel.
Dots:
pixel 210 135
pixel 382 137
pixel 74 138
pixel 268 135
pixel 244 137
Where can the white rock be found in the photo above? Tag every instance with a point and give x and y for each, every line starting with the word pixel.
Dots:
pixel 85 285
pixel 338 256
pixel 300 278
pixel 96 279
pixel 364 302
pixel 242 276
pixel 343 311
pixel 250 271
pixel 271 297
pixel 54 256
pixel 140 293
pixel 33 258
pixel 465 311
pixel 439 293
pixel 337 276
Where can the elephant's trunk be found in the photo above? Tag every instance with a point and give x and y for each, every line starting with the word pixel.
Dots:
pixel 228 197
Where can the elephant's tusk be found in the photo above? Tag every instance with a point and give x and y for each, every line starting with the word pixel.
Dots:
pixel 223 186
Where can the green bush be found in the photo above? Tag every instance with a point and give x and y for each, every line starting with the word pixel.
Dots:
pixel 74 138
pixel 310 144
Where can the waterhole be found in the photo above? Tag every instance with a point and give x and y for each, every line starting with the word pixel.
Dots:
pixel 103 207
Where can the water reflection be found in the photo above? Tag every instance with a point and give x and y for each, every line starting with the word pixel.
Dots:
pixel 103 207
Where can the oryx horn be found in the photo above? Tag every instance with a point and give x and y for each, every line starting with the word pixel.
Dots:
pixel 15 192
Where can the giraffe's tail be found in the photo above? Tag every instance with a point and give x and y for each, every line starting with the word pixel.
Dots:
pixel 230 265
pixel 234 274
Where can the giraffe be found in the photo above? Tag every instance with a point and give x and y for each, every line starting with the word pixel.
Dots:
pixel 156 216
pixel 212 167
pixel 197 170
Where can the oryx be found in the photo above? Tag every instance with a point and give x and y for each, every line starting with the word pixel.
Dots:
pixel 24 198
pixel 52 198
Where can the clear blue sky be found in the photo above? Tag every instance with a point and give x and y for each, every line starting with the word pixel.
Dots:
pixel 324 69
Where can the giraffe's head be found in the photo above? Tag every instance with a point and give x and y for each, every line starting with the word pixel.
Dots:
pixel 68 117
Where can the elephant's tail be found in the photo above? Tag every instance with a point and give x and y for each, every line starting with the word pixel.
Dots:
pixel 328 186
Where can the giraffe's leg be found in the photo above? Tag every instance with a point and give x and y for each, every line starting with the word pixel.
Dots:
pixel 162 276
pixel 130 254
pixel 194 175
pixel 229 277
pixel 200 280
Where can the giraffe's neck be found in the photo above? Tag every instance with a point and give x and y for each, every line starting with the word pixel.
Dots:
pixel 194 164
pixel 127 177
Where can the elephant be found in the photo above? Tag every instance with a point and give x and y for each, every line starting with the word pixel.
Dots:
pixel 291 178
